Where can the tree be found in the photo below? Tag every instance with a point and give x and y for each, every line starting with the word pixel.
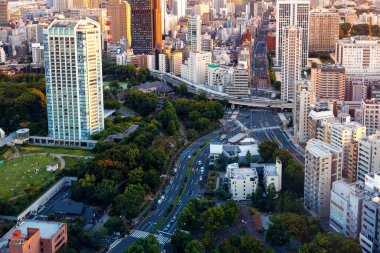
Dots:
pixel 202 123
pixel 293 177
pixel 105 191
pixel 179 240
pixel 142 102
pixel 267 150
pixel 331 243
pixel 115 224
pixel 214 218
pixel 257 198
pixel 284 156
pixel 136 176
pixel 129 203
pixel 277 234
pixel 231 212
pixel 290 203
pixel 152 178
pixel 171 129
pixel 182 90
pixel 145 245
pixel 248 157
pixel 194 247
pixel 250 244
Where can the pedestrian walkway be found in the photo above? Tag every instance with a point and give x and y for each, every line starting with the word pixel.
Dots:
pixel 143 234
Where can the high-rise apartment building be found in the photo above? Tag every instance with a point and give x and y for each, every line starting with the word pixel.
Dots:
pixel 291 53
pixel 323 166
pixel 74 83
pixel 328 81
pixel 119 13
pixel 370 115
pixel 302 105
pixel 346 207
pixel 194 42
pixel 146 25
pixel 292 13
pixel 368 156
pixel 359 55
pixel 4 13
pixel 323 30
pixel 345 136
pixel 179 8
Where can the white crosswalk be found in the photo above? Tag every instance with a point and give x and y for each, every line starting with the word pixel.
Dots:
pixel 142 234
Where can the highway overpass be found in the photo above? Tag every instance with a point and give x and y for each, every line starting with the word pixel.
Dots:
pixel 195 88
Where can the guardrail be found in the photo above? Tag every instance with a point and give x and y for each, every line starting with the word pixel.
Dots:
pixel 196 88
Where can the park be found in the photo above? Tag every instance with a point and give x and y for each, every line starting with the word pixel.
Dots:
pixel 24 174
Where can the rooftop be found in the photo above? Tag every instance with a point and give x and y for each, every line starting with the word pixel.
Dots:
pixel 271 170
pixel 320 148
pixel 321 114
pixel 234 172
pixel 48 229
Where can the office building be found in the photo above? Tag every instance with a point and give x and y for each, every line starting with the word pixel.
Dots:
pixel 291 53
pixel 175 63
pixel 370 115
pixel 146 25
pixel 4 13
pixel 240 86
pixel 119 13
pixel 346 207
pixel 292 13
pixel 74 83
pixel 359 55
pixel 302 105
pixel 195 68
pixel 207 43
pixel 328 81
pixel 241 181
pixel 345 136
pixel 194 34
pixel 368 156
pixel 323 30
pixel 35 236
pixel 163 63
pixel 323 166
pixel 273 175
pixel 86 4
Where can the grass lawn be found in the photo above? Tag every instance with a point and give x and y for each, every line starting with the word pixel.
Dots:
pixel 24 173
pixel 71 162
pixel 66 151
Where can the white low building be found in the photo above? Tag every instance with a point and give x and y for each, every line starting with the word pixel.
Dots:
pixel 241 181
pixel 273 175
pixel 228 150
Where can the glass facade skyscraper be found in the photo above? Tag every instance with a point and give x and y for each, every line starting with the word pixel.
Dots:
pixel 74 85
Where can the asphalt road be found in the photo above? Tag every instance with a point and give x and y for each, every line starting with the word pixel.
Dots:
pixel 260 59
pixel 147 225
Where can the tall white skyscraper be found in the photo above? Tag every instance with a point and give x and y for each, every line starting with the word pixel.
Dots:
pixel 368 156
pixel 74 83
pixel 291 60
pixel 179 8
pixel 304 100
pixel 292 12
pixel 194 34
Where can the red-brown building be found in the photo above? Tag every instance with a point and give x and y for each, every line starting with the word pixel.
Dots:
pixel 32 236
pixel 271 41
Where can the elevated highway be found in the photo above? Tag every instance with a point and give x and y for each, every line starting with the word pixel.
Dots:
pixel 210 93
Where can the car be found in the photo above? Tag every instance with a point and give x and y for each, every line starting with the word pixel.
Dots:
pixel 179 203
pixel 189 156
pixel 202 169
pixel 175 170
pixel 200 178
pixel 199 162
